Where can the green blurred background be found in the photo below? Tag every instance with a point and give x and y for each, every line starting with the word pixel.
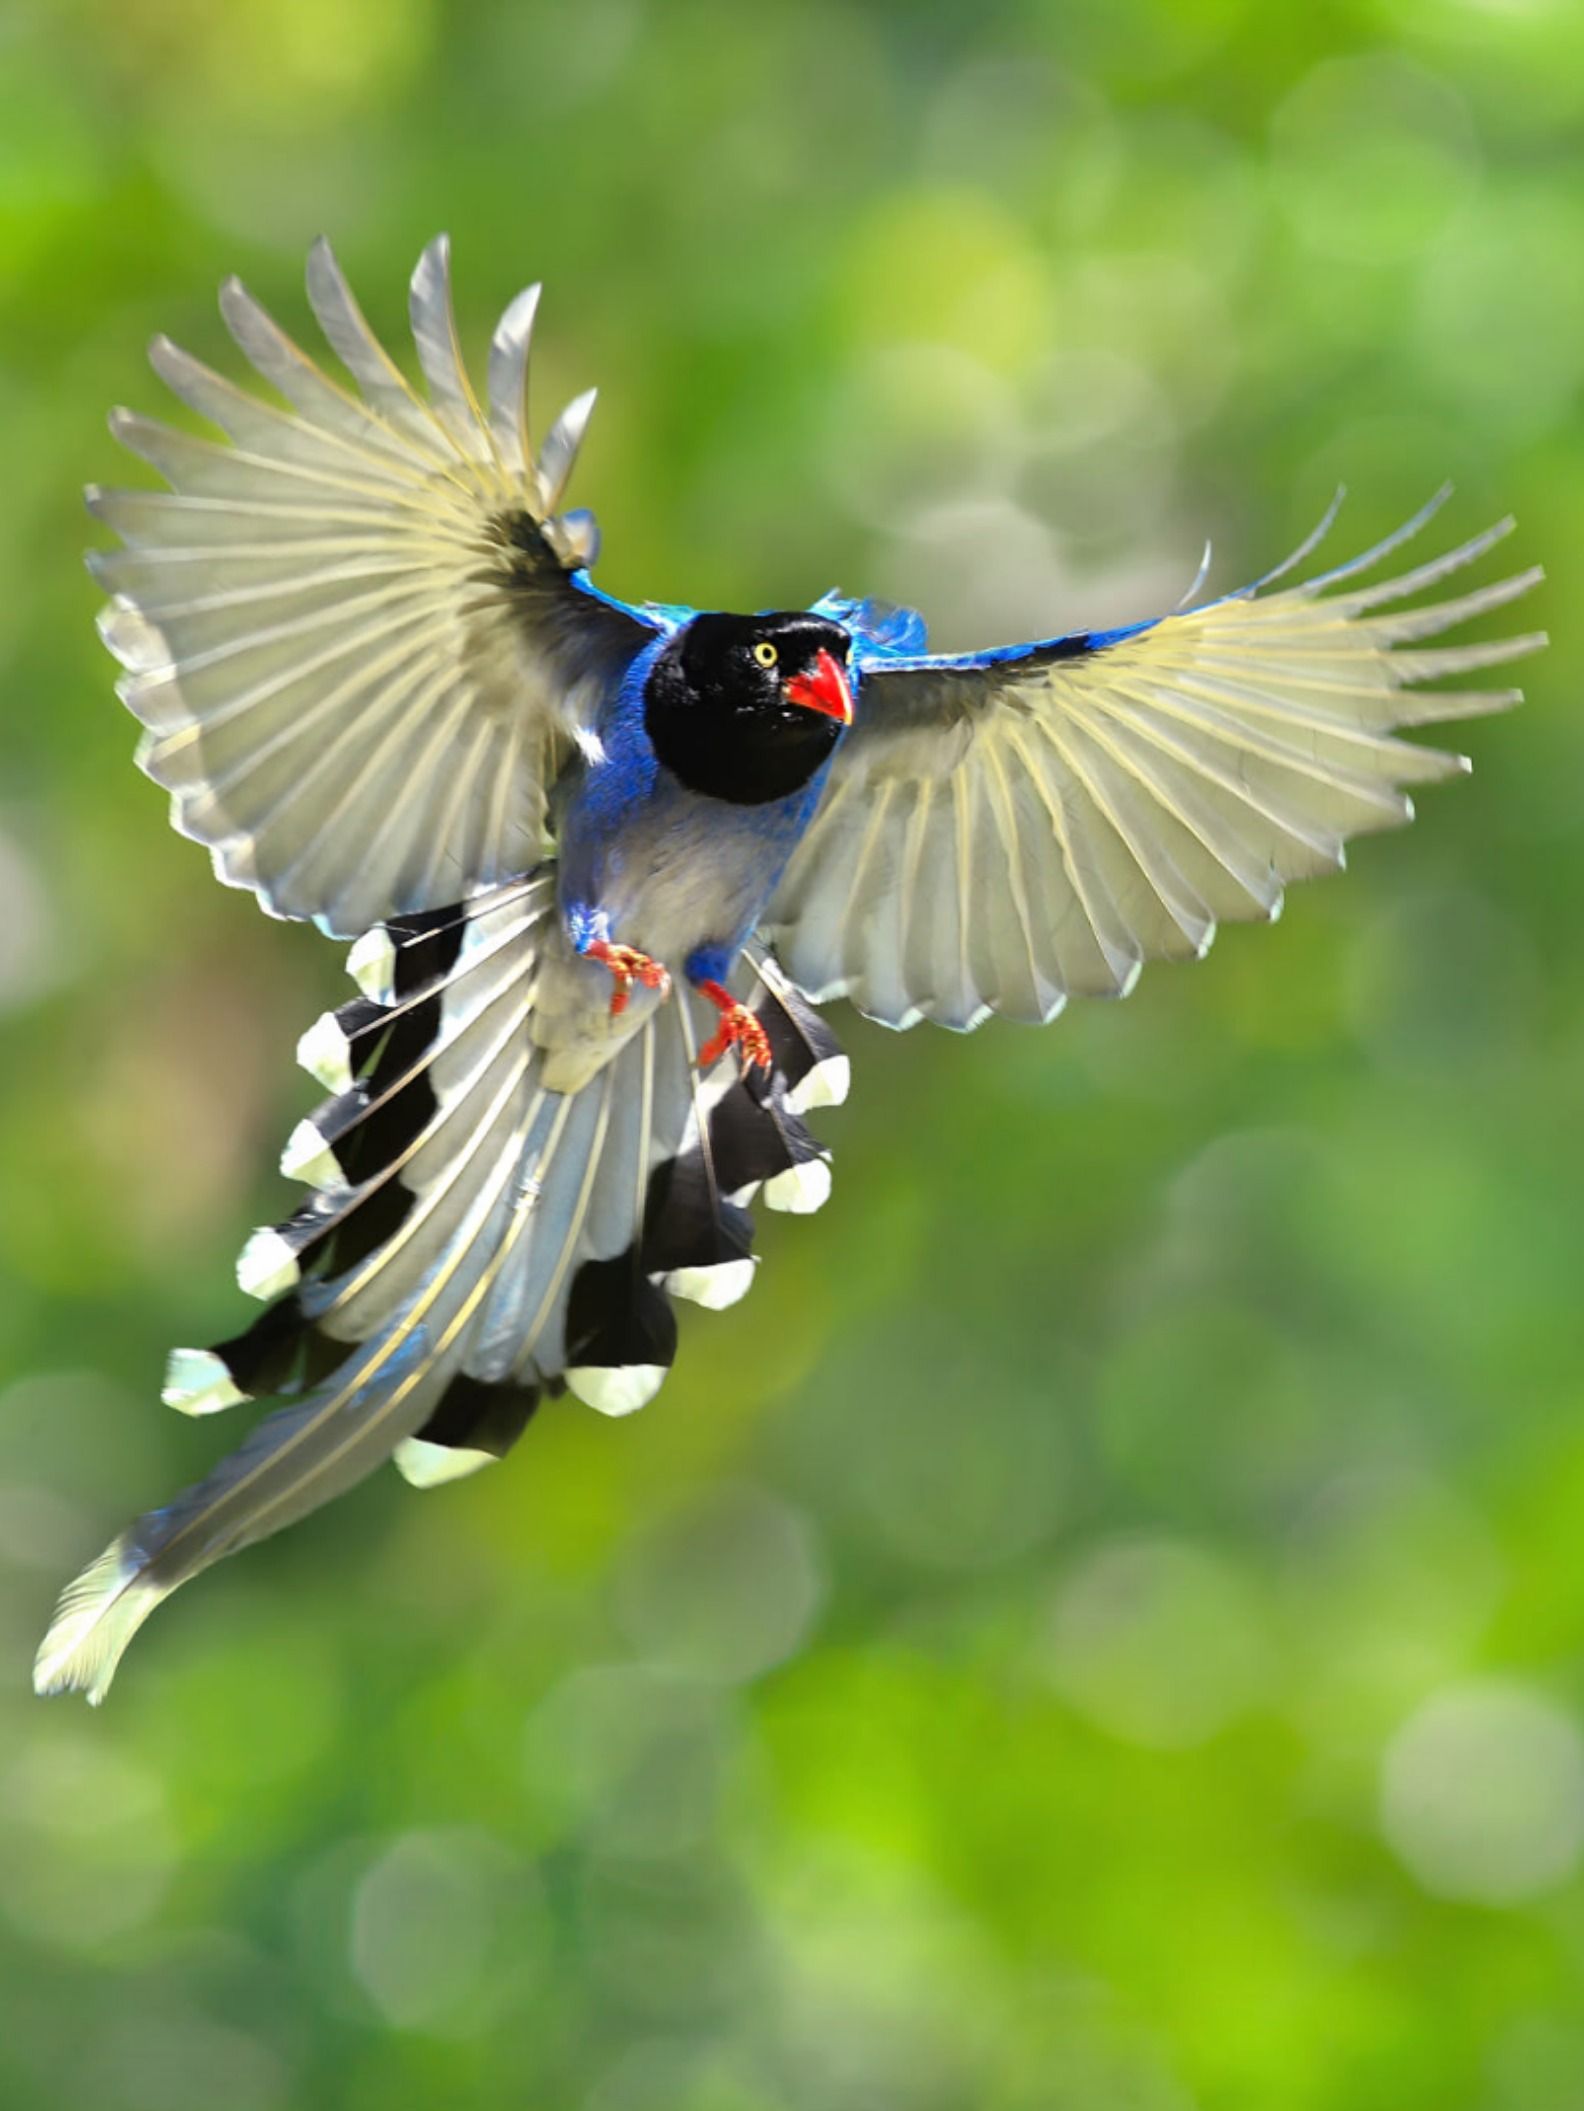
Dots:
pixel 1102 1626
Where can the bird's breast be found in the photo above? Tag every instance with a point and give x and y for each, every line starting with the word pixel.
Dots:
pixel 686 871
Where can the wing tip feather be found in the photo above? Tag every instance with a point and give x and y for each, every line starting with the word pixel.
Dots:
pixel 432 272
pixel 522 309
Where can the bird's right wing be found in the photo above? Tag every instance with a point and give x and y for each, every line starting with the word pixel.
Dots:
pixel 360 636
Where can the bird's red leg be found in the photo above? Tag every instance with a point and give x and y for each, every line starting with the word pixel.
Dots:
pixel 739 1029
pixel 628 966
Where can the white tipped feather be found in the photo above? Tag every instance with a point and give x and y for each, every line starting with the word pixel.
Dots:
pixel 372 965
pixel 425 1465
pixel 826 1085
pixel 801 1189
pixel 266 1266
pixel 197 1382
pixel 325 1053
pixel 715 1288
pixel 617 1389
pixel 308 1157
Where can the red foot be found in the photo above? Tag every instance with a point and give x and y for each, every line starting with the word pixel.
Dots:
pixel 739 1029
pixel 628 966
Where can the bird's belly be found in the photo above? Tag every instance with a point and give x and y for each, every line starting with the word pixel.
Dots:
pixel 662 901
pixel 671 889
pixel 683 875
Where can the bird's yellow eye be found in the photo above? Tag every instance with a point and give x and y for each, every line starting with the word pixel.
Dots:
pixel 765 653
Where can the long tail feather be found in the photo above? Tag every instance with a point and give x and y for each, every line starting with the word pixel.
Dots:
pixel 478 1244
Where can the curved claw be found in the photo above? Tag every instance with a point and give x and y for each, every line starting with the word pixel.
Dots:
pixel 628 966
pixel 739 1028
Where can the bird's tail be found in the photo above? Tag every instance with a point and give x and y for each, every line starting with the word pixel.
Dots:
pixel 473 1242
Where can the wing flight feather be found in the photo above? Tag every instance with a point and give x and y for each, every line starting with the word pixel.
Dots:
pixel 1053 815
pixel 357 632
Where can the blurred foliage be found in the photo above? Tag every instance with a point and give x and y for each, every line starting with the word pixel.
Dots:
pixel 1102 1627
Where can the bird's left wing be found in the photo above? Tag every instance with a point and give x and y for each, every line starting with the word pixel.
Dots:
pixel 361 636
pixel 1003 830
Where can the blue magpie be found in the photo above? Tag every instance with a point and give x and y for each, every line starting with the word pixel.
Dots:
pixel 602 860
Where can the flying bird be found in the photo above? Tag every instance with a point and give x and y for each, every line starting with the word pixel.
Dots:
pixel 601 862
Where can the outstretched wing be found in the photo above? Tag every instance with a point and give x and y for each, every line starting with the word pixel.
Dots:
pixel 360 636
pixel 1004 830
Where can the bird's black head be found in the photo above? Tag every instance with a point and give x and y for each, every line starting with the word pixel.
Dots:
pixel 746 708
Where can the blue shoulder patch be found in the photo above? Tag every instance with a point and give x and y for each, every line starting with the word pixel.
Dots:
pixel 881 630
pixel 652 615
pixel 668 616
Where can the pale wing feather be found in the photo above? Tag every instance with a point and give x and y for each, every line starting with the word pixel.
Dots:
pixel 1001 835
pixel 508 381
pixel 352 633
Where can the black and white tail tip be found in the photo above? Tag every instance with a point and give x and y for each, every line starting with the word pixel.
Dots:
pixel 472 1242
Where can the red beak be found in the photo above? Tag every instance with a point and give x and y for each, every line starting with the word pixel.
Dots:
pixel 823 688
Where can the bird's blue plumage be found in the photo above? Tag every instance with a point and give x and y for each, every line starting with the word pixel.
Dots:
pixel 880 630
pixel 646 862
pixel 653 613
pixel 554 819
